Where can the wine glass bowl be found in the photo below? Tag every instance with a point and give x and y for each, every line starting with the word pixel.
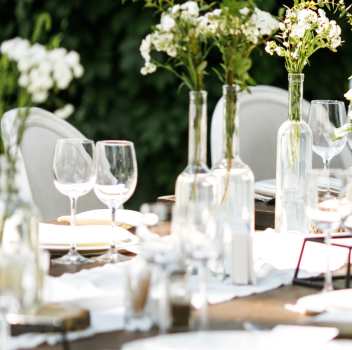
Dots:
pixel 116 181
pixel 73 173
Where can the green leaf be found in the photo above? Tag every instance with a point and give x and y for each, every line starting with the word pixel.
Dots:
pixel 341 132
pixel 202 66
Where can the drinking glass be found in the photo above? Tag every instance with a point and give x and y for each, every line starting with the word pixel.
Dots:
pixel 202 241
pixel 159 249
pixel 116 180
pixel 324 117
pixel 73 172
pixel 325 213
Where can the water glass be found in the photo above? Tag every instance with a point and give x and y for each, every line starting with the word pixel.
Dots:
pixel 325 213
pixel 324 117
pixel 138 283
pixel 116 180
pixel 73 172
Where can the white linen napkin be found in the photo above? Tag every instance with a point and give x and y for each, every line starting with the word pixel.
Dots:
pixel 86 236
pixel 123 217
pixel 266 187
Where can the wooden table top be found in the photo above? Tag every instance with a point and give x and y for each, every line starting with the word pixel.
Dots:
pixel 265 309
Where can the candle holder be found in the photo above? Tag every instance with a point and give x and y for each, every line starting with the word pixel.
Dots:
pixel 318 282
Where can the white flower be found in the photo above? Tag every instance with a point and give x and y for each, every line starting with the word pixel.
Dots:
pixel 167 23
pixel 348 95
pixel 78 71
pixel 175 9
pixel 244 11
pixel 191 7
pixel 298 31
pixel 148 68
pixel 23 80
pixel 282 26
pixel 335 42
pixel 286 44
pixel 145 47
pixel 62 75
pixel 217 12
pixel 65 111
pixel 72 58
pixel 171 51
pixel 40 96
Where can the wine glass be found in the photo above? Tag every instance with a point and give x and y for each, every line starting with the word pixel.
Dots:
pixel 324 117
pixel 116 180
pixel 73 172
pixel 325 213
pixel 202 235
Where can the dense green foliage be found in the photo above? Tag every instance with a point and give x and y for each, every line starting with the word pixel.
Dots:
pixel 114 101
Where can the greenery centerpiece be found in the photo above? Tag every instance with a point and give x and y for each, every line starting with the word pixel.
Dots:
pixel 304 30
pixel 180 35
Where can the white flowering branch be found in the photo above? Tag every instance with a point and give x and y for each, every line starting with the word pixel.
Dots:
pixel 306 29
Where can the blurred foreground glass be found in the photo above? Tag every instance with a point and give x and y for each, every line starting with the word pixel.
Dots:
pixel 17 286
pixel 138 281
pixel 116 180
pixel 324 117
pixel 160 250
pixel 73 172
pixel 202 241
pixel 325 214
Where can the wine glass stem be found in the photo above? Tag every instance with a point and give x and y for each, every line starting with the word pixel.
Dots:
pixel 203 311
pixel 73 201
pixel 326 162
pixel 112 240
pixel 328 286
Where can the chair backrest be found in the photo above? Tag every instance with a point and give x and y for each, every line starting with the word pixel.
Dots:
pixel 43 129
pixel 261 114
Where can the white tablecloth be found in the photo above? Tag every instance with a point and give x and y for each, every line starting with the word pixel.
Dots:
pixel 101 289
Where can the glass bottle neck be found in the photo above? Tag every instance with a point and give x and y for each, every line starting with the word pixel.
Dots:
pixel 295 97
pixel 197 132
pixel 230 122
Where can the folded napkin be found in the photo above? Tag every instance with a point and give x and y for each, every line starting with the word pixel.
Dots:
pixel 51 236
pixel 124 218
pixel 266 187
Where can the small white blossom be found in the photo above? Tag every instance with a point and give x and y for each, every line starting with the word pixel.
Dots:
pixel 348 95
pixel 244 11
pixel 64 112
pixel 167 23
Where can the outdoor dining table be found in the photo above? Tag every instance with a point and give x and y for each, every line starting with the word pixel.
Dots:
pixel 264 309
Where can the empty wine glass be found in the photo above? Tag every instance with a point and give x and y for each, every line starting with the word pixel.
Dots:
pixel 116 180
pixel 325 213
pixel 202 241
pixel 73 172
pixel 324 117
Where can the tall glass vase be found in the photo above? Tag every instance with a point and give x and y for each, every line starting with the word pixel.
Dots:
pixel 19 232
pixel 235 191
pixel 196 183
pixel 293 161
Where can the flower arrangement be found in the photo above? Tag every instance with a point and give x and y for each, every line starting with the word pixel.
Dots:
pixel 304 30
pixel 29 72
pixel 179 35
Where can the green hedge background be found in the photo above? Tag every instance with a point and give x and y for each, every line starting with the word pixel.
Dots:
pixel 114 101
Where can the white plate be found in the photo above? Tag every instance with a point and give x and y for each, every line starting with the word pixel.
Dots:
pixel 281 337
pixel 103 217
pixel 88 238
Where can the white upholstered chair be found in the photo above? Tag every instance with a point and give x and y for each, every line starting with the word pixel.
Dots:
pixel 43 129
pixel 261 114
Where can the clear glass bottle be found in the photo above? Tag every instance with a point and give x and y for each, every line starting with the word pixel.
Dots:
pixel 196 183
pixel 293 161
pixel 235 194
pixel 235 179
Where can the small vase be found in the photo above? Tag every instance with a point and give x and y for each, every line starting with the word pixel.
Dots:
pixel 293 162
pixel 235 192
pixel 196 183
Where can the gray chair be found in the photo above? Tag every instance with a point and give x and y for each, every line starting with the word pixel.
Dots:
pixel 261 114
pixel 43 129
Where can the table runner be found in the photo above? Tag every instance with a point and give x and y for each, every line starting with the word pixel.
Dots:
pixel 275 258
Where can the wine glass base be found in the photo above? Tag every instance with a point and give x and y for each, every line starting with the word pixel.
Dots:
pixel 112 255
pixel 72 258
